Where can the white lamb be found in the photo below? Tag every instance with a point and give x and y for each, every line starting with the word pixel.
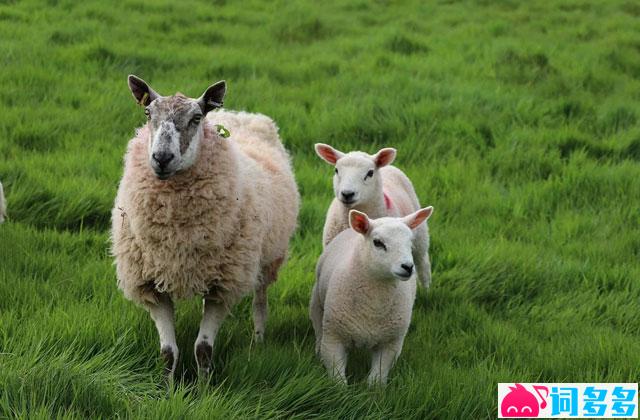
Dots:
pixel 364 292
pixel 199 214
pixel 3 205
pixel 371 185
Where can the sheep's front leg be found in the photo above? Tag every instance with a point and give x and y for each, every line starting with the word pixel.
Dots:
pixel 213 315
pixel 334 356
pixel 382 360
pixel 421 256
pixel 316 313
pixel 162 315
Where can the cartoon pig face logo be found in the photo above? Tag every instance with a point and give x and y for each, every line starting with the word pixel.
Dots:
pixel 521 403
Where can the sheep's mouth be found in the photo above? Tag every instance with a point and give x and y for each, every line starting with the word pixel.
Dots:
pixel 163 175
pixel 348 203
pixel 404 276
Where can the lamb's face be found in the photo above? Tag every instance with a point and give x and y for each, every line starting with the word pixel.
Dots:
pixel 175 124
pixel 388 243
pixel 356 177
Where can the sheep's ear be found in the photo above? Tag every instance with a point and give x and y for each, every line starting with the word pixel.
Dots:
pixel 213 97
pixel 359 222
pixel 141 90
pixel 328 153
pixel 384 157
pixel 416 219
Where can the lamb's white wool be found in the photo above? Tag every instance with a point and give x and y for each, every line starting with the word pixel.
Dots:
pixel 3 205
pixel 370 184
pixel 364 292
pixel 198 214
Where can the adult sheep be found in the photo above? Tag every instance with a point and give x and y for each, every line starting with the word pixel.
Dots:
pixel 198 214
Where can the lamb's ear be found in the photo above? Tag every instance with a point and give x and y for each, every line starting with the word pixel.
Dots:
pixel 384 157
pixel 141 90
pixel 328 153
pixel 359 222
pixel 415 219
pixel 213 97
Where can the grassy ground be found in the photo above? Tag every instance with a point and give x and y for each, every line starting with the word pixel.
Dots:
pixel 518 121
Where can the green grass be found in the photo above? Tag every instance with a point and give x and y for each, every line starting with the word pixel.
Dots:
pixel 518 121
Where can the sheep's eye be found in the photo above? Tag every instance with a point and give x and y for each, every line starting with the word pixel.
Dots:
pixel 369 174
pixel 147 113
pixel 336 171
pixel 379 244
pixel 196 119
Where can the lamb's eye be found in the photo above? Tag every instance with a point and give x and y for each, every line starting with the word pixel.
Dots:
pixel 369 174
pixel 336 171
pixel 196 119
pixel 147 113
pixel 379 244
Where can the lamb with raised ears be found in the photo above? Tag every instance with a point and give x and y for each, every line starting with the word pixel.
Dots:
pixel 370 184
pixel 364 292
pixel 3 205
pixel 197 214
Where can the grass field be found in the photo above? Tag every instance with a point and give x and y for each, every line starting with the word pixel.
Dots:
pixel 518 121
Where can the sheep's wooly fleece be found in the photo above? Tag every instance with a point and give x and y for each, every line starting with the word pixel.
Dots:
pixel 210 229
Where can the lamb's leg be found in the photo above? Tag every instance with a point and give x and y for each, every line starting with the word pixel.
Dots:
pixel 334 356
pixel 382 360
pixel 162 315
pixel 260 303
pixel 316 313
pixel 421 256
pixel 423 268
pixel 213 315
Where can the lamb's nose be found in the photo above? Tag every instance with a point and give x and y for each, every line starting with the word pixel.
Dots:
pixel 407 267
pixel 163 158
pixel 348 195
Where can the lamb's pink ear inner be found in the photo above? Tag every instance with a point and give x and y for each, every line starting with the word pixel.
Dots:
pixel 328 153
pixel 385 156
pixel 416 219
pixel 359 222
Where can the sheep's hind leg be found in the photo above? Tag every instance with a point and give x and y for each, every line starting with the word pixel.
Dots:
pixel 163 316
pixel 213 315
pixel 260 303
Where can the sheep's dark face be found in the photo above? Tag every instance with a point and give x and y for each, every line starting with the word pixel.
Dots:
pixel 175 124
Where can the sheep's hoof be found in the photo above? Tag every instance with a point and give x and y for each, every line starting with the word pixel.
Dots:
pixel 169 359
pixel 204 356
pixel 259 336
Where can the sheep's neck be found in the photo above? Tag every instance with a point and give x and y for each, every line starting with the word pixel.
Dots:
pixel 375 209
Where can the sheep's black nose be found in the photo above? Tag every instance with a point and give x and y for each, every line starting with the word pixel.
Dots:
pixel 348 195
pixel 407 267
pixel 163 158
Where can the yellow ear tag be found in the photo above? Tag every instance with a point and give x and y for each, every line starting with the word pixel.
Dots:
pixel 222 132
pixel 143 99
